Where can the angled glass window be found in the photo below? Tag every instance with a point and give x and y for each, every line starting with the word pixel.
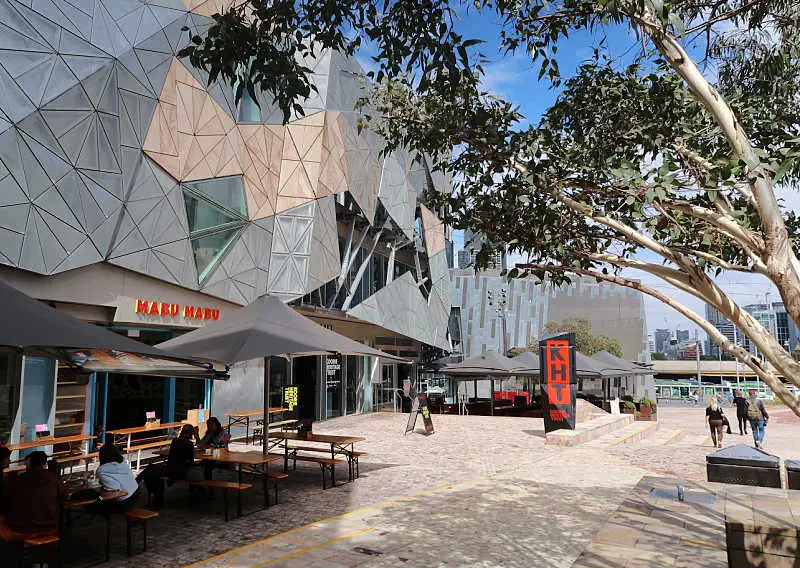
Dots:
pixel 210 247
pixel 203 215
pixel 225 191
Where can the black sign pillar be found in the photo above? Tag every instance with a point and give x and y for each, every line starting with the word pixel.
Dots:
pixel 559 384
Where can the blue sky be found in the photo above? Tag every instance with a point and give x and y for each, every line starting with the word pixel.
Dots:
pixel 515 78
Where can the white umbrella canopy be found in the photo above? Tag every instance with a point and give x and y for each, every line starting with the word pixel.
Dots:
pixel 265 328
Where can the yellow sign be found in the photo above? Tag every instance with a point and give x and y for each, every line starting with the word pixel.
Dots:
pixel 290 398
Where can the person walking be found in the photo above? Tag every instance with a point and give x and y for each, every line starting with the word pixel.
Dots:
pixel 714 417
pixel 740 402
pixel 758 417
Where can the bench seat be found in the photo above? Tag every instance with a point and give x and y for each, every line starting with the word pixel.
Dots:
pixel 226 486
pixel 140 517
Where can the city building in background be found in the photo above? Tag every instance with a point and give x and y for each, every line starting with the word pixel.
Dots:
pixel 662 338
pixel 682 335
pixel 136 197
pixel 773 316
pixel 472 245
pixel 527 305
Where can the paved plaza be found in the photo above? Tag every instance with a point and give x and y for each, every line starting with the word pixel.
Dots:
pixel 481 491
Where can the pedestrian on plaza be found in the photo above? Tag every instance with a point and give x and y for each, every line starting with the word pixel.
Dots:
pixel 741 404
pixel 758 417
pixel 714 417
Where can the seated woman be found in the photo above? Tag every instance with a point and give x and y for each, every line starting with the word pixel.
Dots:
pixel 216 436
pixel 114 475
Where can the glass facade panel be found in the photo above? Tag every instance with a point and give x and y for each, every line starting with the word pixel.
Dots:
pixel 248 109
pixel 203 215
pixel 208 248
pixel 226 191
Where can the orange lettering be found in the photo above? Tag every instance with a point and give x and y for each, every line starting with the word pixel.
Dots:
pixel 215 315
pixel 207 313
pixel 141 306
pixel 153 308
pixel 173 309
pixel 188 311
pixel 164 308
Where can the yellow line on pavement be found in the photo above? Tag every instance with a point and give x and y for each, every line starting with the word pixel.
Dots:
pixel 629 436
pixel 348 513
pixel 668 440
pixel 310 548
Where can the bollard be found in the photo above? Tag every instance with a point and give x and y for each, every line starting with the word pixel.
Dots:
pixel 681 493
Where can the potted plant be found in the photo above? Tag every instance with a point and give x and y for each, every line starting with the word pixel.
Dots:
pixel 628 407
pixel 647 409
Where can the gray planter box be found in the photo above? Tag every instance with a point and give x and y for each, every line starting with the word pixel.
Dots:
pixel 744 465
pixel 792 474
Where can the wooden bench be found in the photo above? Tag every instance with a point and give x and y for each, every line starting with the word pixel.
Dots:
pixel 352 457
pixel 226 486
pixel 137 517
pixel 149 446
pixel 258 429
pixel 325 464
pixel 19 541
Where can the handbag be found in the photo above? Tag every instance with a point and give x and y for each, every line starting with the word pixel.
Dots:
pixel 726 424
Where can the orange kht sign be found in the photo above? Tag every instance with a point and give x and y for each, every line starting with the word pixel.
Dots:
pixel 153 308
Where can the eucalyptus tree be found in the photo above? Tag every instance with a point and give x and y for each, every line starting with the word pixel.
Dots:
pixel 664 161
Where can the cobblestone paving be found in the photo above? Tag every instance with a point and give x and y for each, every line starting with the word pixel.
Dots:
pixel 488 493
pixel 685 458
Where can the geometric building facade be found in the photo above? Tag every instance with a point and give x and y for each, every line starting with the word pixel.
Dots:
pixel 113 150
pixel 128 184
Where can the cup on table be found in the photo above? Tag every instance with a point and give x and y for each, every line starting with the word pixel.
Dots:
pixel 208 452
pixel 216 452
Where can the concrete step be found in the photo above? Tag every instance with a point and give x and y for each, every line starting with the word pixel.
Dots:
pixel 665 436
pixel 630 434
pixel 590 430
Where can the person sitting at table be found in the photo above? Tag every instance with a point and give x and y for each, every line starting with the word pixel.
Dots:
pixel 181 454
pixel 32 499
pixel 114 475
pixel 215 437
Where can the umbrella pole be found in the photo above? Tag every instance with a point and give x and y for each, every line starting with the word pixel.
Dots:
pixel 265 429
pixel 491 397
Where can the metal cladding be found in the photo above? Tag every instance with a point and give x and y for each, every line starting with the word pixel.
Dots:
pixel 112 149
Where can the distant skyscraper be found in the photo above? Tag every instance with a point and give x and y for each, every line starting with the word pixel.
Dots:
pixel 725 326
pixel 662 337
pixel 682 334
pixel 472 245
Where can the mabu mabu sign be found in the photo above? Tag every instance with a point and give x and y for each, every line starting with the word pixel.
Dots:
pixel 559 385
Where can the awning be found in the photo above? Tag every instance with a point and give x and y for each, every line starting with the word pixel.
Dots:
pixel 35 328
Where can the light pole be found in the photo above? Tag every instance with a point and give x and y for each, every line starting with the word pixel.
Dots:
pixel 498 301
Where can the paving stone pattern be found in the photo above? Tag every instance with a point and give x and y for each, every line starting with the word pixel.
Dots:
pixel 488 491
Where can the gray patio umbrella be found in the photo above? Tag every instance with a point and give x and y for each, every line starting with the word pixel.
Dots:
pixel 32 326
pixel 266 328
pixel 625 367
pixel 492 365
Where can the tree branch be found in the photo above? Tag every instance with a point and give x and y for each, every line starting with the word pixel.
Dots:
pixel 722 17
pixel 737 351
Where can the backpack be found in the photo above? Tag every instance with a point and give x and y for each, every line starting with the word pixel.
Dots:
pixel 754 411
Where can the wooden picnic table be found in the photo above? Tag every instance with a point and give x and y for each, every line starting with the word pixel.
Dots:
pixel 121 432
pixel 244 416
pixel 50 441
pixel 340 445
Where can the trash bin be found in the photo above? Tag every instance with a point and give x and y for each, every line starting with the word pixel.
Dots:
pixel 792 474
pixel 744 465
